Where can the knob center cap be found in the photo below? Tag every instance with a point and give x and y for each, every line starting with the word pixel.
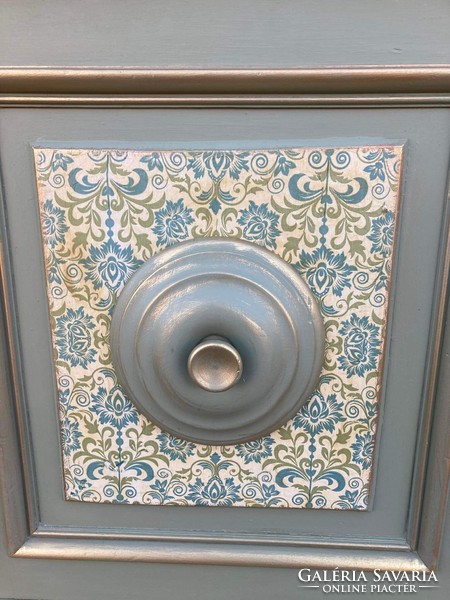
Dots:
pixel 214 364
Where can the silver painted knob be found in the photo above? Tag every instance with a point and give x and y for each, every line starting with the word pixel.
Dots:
pixel 215 365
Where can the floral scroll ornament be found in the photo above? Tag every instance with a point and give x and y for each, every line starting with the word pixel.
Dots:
pixel 109 265
pixel 330 212
pixel 260 225
pixel 325 271
pixel 74 337
pixel 361 345
pixel 172 223
pixel 53 224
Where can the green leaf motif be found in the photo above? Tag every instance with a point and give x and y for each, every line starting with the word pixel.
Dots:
pixel 329 212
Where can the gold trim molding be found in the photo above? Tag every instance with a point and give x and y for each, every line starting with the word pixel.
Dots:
pixel 412 79
pixel 226 101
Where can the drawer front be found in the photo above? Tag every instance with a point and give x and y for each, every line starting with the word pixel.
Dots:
pixel 407 342
pixel 224 293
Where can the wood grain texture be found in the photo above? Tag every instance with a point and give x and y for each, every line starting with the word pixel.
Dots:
pixel 217 34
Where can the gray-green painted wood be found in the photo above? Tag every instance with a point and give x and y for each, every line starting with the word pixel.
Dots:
pixel 427 131
pixel 218 34
pixel 61 580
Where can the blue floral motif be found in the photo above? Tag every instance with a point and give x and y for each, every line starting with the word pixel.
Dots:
pixel 218 164
pixel 110 264
pixel 379 153
pixel 260 224
pixel 361 345
pixel 104 212
pixel 379 168
pixel 371 408
pixel 53 275
pixel 382 280
pixel 215 458
pixel 171 223
pixel 325 270
pixel 283 165
pixel 357 500
pixel 160 486
pixel 70 436
pixel 319 415
pixel 376 171
pixel 256 450
pixel 174 447
pixel 216 492
pixel 64 398
pixel 382 234
pixel 350 497
pixel 60 161
pixel 53 224
pixel 73 337
pixel 153 161
pixel 269 491
pixel 114 408
pixel 363 449
pixel 215 206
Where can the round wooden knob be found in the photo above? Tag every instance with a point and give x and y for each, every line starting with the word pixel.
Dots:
pixel 214 364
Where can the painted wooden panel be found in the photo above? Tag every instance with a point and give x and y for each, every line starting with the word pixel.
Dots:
pixel 330 212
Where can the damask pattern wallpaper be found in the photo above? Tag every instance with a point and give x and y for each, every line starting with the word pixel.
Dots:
pixel 330 212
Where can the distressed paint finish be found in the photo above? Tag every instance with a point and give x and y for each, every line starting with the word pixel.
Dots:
pixel 329 212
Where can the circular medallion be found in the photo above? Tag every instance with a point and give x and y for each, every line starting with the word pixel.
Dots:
pixel 217 341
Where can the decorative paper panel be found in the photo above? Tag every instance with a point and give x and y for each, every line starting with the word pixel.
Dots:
pixel 330 212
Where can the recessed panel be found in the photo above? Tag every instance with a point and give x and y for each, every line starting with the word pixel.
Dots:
pixel 328 212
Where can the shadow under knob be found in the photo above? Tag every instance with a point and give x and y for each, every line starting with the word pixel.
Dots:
pixel 214 364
